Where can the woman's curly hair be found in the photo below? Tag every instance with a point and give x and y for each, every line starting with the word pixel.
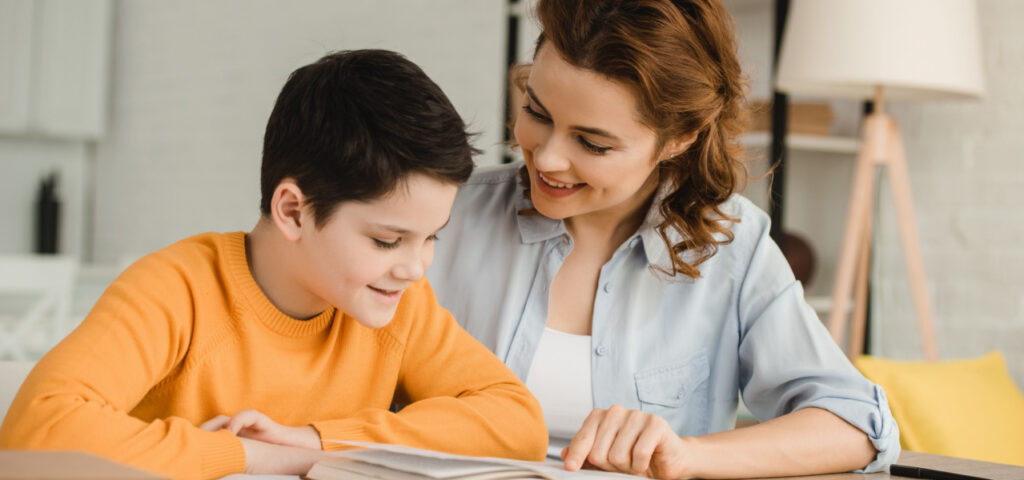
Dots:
pixel 679 59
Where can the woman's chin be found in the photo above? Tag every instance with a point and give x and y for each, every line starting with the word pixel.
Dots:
pixel 549 208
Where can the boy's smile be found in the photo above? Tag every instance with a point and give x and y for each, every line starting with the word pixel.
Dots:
pixel 387 295
pixel 365 256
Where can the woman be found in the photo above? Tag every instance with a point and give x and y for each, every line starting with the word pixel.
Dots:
pixel 620 275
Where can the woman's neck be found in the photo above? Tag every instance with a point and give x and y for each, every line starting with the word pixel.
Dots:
pixel 612 226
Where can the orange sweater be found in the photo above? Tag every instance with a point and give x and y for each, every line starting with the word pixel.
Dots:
pixel 186 334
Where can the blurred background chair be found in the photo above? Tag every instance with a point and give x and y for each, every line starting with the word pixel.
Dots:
pixel 35 303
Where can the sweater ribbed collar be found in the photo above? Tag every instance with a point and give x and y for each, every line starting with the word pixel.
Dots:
pixel 241 276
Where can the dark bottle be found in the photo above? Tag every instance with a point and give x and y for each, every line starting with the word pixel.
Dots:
pixel 47 215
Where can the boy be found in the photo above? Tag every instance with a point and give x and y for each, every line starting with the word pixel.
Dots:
pixel 236 352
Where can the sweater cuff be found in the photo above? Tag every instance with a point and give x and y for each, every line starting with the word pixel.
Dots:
pixel 223 454
pixel 334 431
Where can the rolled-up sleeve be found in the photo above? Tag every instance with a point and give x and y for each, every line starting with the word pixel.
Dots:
pixel 789 362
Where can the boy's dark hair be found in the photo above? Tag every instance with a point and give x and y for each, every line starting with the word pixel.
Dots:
pixel 356 123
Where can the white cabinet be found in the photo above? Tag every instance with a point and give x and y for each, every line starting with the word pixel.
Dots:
pixel 55 67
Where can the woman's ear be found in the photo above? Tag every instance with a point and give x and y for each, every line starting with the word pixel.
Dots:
pixel 286 207
pixel 677 146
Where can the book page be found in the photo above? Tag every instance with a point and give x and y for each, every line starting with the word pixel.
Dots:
pixel 439 468
pixel 438 464
pixel 345 468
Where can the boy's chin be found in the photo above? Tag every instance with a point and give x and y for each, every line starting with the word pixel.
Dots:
pixel 375 319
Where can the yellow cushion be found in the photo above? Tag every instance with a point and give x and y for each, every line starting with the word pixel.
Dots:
pixel 962 408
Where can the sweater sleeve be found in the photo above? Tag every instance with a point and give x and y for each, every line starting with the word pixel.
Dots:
pixel 79 395
pixel 464 400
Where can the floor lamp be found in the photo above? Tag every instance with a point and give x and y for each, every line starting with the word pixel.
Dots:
pixel 914 50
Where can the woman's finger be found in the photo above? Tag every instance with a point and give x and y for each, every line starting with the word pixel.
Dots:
pixel 606 433
pixel 646 443
pixel 620 455
pixel 582 442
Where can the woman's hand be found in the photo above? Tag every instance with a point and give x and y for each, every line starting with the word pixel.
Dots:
pixel 254 425
pixel 628 441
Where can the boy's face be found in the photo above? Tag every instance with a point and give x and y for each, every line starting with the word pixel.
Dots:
pixel 367 253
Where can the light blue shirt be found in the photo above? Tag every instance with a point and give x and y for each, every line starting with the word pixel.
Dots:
pixel 680 348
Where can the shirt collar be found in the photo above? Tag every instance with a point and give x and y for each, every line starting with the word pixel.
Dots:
pixel 534 227
pixel 654 247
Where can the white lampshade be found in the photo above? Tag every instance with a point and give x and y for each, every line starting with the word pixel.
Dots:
pixel 916 49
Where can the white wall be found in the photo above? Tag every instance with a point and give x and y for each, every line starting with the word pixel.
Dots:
pixel 968 183
pixel 194 82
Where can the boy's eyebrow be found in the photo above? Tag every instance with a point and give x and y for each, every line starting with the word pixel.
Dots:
pixel 403 231
pixel 590 130
pixel 392 228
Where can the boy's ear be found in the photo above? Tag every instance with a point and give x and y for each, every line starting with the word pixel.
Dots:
pixel 677 145
pixel 286 208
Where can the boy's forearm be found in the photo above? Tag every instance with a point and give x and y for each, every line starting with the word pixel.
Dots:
pixel 263 458
pixel 503 420
pixel 306 437
pixel 170 447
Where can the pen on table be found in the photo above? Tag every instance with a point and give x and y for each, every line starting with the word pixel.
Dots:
pixel 919 472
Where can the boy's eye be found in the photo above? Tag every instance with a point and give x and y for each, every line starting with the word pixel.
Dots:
pixel 433 238
pixel 535 114
pixel 386 245
pixel 598 149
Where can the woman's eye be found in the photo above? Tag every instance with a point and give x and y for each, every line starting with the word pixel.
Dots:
pixel 535 114
pixel 598 149
pixel 385 245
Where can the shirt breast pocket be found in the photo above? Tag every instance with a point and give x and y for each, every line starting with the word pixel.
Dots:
pixel 678 393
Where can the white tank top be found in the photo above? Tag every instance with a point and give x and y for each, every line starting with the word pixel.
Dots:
pixel 559 377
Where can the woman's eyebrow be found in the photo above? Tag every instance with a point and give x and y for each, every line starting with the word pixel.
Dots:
pixel 591 130
pixel 533 96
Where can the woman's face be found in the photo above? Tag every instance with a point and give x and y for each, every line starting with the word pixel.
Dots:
pixel 586 151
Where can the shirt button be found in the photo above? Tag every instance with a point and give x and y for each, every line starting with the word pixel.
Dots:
pixel 608 287
pixel 601 350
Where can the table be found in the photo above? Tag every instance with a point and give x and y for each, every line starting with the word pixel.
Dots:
pixel 992 471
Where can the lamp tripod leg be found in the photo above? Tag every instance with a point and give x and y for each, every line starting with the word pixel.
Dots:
pixel 899 178
pixel 858 207
pixel 860 292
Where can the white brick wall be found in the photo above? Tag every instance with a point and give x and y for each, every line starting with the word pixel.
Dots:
pixel 194 82
pixel 967 174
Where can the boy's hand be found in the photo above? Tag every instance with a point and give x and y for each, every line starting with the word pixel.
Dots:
pixel 263 458
pixel 628 441
pixel 255 425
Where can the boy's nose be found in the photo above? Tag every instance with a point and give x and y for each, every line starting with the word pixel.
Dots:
pixel 411 268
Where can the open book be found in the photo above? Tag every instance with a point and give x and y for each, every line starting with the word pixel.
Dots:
pixel 379 461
